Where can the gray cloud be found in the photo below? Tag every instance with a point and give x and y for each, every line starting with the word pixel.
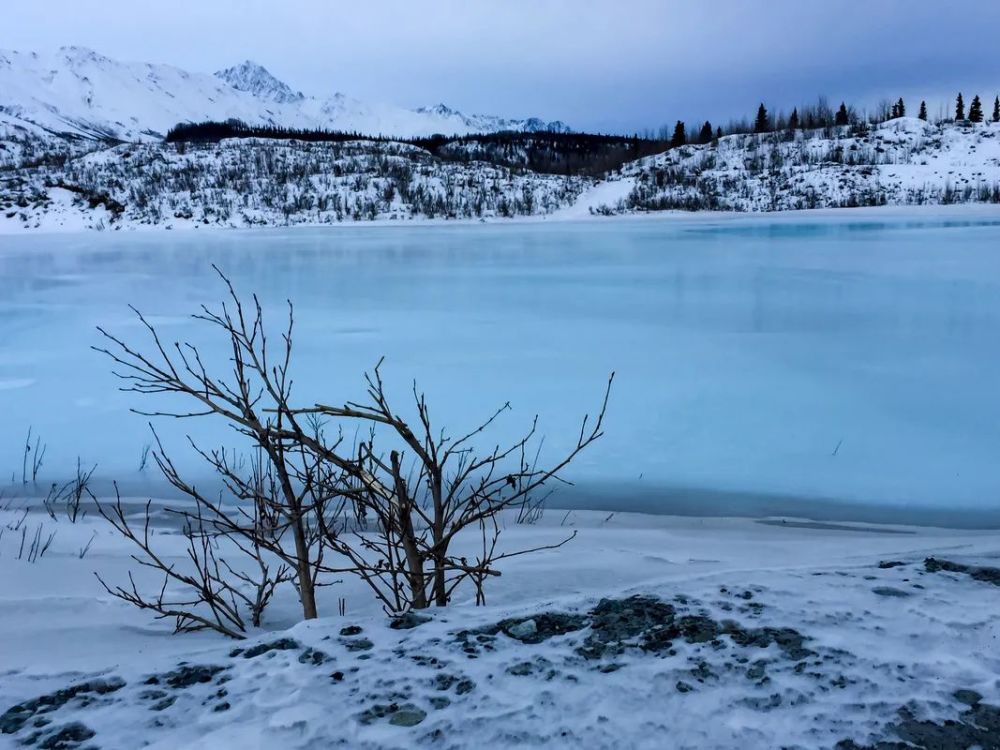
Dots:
pixel 622 65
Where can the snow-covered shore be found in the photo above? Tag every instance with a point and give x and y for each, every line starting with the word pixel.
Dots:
pixel 766 633
pixel 241 183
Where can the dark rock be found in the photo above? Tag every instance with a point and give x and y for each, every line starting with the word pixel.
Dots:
pixel 542 627
pixel 886 564
pixel 757 670
pixel 523 630
pixel 521 669
pixel 968 697
pixel 684 687
pixel 337 676
pixel 978 727
pixel 445 681
pixel 361 644
pixel 889 591
pixel 83 694
pixel 408 621
pixel 186 676
pixel 788 640
pixel 351 630
pixel 282 644
pixel 405 715
pixel 313 656
pixel 67 737
pixel 984 574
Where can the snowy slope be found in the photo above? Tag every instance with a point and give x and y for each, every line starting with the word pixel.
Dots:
pixel 899 162
pixel 78 92
pixel 715 633
pixel 251 182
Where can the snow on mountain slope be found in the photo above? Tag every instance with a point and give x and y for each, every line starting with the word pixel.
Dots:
pixel 260 182
pixel 78 92
pixel 899 162
pixel 255 79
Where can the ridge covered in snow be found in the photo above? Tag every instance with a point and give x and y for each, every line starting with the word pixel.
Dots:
pixel 903 161
pixel 255 79
pixel 250 182
pixel 80 93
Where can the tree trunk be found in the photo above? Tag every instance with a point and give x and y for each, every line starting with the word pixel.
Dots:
pixel 414 563
pixel 307 592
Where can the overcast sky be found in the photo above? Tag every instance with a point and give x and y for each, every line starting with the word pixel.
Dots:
pixel 617 65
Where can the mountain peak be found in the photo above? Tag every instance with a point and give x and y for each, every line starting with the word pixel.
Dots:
pixel 255 79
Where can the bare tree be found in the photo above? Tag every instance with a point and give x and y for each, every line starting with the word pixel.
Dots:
pixel 214 594
pixel 449 488
pixel 386 507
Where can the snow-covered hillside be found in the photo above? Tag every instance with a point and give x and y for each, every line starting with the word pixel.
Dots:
pixel 253 182
pixel 902 161
pixel 82 183
pixel 81 93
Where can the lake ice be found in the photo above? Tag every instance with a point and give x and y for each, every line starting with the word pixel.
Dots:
pixel 772 365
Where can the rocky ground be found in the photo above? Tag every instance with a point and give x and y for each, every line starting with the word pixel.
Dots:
pixel 878 656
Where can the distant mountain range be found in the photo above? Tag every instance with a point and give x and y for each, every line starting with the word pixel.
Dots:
pixel 77 92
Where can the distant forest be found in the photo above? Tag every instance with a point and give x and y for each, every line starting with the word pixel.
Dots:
pixel 594 154
pixel 545 152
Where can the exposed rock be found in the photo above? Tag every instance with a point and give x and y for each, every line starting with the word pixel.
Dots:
pixel 361 644
pixel 405 715
pixel 889 591
pixel 313 656
pixel 523 630
pixel 282 644
pixel 82 694
pixel 977 727
pixel 987 575
pixel 67 737
pixel 186 675
pixel 408 621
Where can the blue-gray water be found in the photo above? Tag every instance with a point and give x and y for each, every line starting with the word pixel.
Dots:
pixel 839 368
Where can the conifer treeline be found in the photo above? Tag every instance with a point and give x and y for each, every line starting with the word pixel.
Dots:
pixel 586 153
pixel 547 152
pixel 821 115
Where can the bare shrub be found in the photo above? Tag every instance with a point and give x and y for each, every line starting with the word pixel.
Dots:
pixel 70 495
pixel 212 593
pixel 385 507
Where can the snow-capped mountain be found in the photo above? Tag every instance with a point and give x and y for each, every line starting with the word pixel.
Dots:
pixel 491 123
pixel 257 80
pixel 80 93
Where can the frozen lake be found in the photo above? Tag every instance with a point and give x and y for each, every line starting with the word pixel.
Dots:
pixel 839 366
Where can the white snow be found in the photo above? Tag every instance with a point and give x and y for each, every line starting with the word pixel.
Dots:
pixel 927 636
pixel 902 161
pixel 81 92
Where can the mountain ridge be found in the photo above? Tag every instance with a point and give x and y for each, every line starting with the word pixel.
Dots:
pixel 77 92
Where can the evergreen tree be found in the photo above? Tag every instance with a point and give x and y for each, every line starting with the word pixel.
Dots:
pixel 842 117
pixel 793 120
pixel 996 109
pixel 894 112
pixel 959 108
pixel 763 122
pixel 705 136
pixel 923 111
pixel 900 108
pixel 680 135
pixel 718 133
pixel 976 110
